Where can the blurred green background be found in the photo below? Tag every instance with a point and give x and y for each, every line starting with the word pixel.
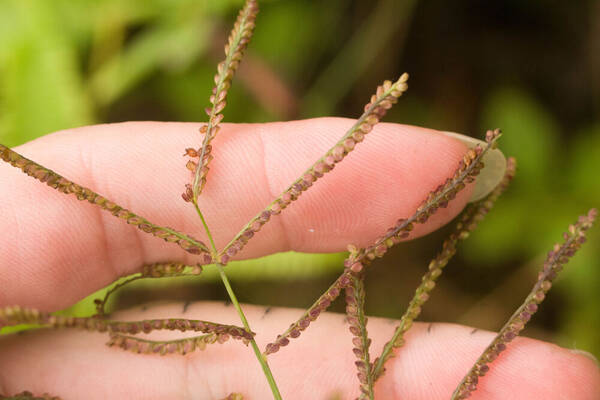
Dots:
pixel 531 67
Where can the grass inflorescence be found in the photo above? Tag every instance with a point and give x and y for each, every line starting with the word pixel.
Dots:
pixel 125 334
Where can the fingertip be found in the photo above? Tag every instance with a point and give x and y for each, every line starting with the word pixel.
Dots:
pixel 387 177
pixel 535 369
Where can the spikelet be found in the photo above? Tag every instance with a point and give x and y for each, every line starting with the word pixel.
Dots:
pixel 234 396
pixel 29 396
pixel 355 315
pixel 165 347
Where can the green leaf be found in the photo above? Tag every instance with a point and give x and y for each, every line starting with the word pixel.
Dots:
pixel 579 286
pixel 41 89
pixel 173 45
pixel 583 165
pixel 530 134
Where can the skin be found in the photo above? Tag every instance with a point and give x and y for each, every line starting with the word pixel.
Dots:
pixel 59 250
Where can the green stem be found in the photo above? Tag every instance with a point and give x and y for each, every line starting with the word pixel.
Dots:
pixel 261 358
pixel 212 241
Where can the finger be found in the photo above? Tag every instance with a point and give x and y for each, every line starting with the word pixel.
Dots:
pixel 319 363
pixel 56 250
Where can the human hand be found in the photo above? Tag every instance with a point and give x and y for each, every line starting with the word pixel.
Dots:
pixel 57 250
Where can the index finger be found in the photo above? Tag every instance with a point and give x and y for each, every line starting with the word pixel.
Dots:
pixel 56 250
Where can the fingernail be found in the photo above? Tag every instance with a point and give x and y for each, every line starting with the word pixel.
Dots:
pixel 586 354
pixel 493 170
